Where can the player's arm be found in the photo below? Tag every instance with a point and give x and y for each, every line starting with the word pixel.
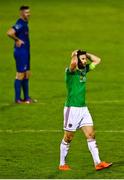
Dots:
pixel 12 34
pixel 95 60
pixel 74 61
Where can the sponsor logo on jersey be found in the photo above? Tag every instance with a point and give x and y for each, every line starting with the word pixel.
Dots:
pixel 82 79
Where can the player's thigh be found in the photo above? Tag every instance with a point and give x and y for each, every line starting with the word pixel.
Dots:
pixel 21 59
pixel 28 72
pixel 87 125
pixel 88 131
pixel 72 118
pixel 28 60
pixel 86 119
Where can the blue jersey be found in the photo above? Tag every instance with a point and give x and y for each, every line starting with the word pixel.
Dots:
pixel 22 32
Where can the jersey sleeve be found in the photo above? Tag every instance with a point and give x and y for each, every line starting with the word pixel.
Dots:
pixel 68 71
pixel 17 27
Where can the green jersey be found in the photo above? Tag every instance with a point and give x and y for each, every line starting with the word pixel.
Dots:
pixel 76 87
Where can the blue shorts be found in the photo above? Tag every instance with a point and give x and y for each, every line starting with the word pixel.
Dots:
pixel 22 58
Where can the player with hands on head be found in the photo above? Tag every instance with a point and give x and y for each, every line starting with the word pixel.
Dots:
pixel 76 113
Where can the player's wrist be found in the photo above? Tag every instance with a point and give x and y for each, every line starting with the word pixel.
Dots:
pixel 16 39
pixel 92 66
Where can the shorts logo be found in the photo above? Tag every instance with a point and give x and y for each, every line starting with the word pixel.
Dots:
pixel 69 125
pixel 25 67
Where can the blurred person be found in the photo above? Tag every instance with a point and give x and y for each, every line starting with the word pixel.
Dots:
pixel 20 34
pixel 76 113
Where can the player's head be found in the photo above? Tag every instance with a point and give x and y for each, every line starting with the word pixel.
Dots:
pixel 25 12
pixel 82 59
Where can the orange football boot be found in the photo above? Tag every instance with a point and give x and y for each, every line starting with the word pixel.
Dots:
pixel 102 165
pixel 64 167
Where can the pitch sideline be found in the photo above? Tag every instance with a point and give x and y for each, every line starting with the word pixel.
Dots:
pixel 50 131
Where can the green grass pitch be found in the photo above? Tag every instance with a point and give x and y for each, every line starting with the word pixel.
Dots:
pixel 56 29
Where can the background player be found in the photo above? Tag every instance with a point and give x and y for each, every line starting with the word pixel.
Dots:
pixel 20 34
pixel 76 113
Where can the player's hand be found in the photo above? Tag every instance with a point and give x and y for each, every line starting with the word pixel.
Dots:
pixel 74 53
pixel 19 43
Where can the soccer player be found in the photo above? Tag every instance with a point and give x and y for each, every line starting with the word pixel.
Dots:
pixel 76 113
pixel 20 34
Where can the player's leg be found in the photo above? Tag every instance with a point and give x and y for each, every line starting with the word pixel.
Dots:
pixel 88 129
pixel 64 148
pixel 91 141
pixel 93 148
pixel 70 126
pixel 20 68
pixel 25 83
pixel 25 86
pixel 17 86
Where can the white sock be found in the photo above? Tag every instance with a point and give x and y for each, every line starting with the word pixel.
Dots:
pixel 94 150
pixel 64 147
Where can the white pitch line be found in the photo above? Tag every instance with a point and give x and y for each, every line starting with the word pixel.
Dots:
pixel 88 102
pixel 28 131
pixel 52 130
pixel 106 101
pixel 111 131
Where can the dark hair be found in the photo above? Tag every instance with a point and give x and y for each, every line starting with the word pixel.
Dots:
pixel 23 8
pixel 80 52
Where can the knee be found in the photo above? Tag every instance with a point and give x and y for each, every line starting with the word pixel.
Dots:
pixel 28 74
pixel 20 76
pixel 90 135
pixel 68 137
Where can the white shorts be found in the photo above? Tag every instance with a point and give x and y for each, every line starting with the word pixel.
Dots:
pixel 76 117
